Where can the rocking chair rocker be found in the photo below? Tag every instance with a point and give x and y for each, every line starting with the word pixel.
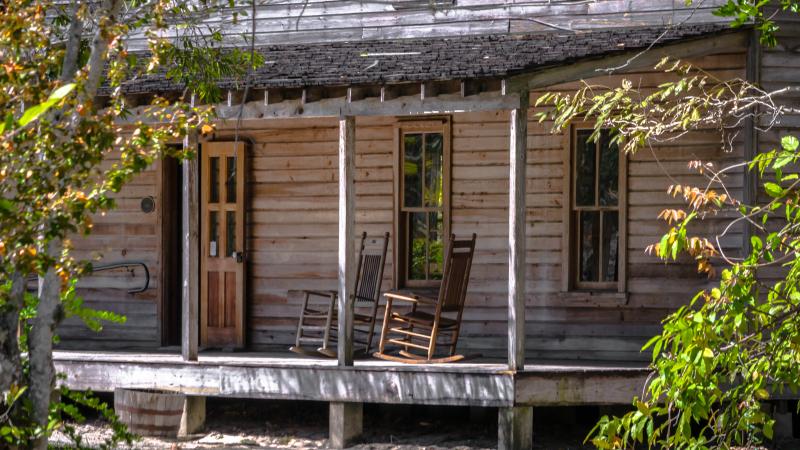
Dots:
pixel 420 330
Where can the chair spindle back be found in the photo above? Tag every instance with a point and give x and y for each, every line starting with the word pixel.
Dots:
pixel 369 275
pixel 455 277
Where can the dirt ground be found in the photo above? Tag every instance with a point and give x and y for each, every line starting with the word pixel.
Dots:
pixel 250 424
pixel 237 424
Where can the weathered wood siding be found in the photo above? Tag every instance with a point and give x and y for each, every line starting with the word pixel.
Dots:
pixel 124 234
pixel 292 229
pixel 779 68
pixel 302 21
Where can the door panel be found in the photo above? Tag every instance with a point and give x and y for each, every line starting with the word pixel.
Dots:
pixel 222 266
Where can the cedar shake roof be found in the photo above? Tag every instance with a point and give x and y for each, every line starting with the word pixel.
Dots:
pixel 436 59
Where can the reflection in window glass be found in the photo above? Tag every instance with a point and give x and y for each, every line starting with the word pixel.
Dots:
pixel 435 245
pixel 230 179
pixel 412 170
pixel 230 232
pixel 585 164
pixel 423 202
pixel 609 170
pixel 434 160
pixel 589 249
pixel 426 249
pixel 417 251
pixel 213 179
pixel 213 233
pixel 596 210
pixel 610 252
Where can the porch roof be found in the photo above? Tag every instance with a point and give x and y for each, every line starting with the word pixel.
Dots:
pixel 422 60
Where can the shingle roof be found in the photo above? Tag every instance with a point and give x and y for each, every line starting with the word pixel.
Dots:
pixel 451 58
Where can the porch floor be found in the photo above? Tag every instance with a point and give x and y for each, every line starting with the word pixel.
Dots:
pixel 479 382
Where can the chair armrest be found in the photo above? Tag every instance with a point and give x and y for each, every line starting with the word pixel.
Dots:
pixel 410 297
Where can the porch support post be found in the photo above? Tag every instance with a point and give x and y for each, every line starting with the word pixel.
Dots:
pixel 347 262
pixel 516 233
pixel 345 423
pixel 190 298
pixel 193 418
pixel 515 428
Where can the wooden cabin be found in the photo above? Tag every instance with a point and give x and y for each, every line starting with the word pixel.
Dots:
pixel 562 295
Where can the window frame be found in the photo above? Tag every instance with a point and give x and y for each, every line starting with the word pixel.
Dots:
pixel 570 239
pixel 400 217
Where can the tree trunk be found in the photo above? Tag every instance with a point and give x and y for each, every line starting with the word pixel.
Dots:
pixel 10 367
pixel 40 351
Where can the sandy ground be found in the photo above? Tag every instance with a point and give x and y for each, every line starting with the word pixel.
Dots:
pixel 248 424
pixel 235 424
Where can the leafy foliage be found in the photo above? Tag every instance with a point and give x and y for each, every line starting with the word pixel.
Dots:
pixel 64 155
pixel 737 344
pixel 745 12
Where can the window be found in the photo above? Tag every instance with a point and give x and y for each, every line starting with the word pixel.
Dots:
pixel 596 213
pixel 422 203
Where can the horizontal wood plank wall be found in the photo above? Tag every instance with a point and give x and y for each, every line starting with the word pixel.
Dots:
pixel 577 326
pixel 779 68
pixel 292 215
pixel 292 229
pixel 123 234
pixel 304 21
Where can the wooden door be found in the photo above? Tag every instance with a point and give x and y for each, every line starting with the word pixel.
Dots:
pixel 222 256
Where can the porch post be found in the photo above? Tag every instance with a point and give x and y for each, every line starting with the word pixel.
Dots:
pixel 518 144
pixel 347 263
pixel 515 428
pixel 190 297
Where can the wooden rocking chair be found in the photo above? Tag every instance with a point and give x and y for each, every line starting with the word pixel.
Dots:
pixel 419 330
pixel 318 322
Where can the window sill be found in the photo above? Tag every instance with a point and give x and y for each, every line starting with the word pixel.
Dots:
pixel 602 299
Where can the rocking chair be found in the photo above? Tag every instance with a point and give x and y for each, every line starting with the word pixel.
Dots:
pixel 318 322
pixel 420 330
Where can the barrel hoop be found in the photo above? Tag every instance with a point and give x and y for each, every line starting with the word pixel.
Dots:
pixel 132 410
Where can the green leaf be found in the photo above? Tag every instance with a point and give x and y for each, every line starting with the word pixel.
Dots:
pixel 773 190
pixel 34 112
pixel 62 92
pixel 789 143
pixel 783 159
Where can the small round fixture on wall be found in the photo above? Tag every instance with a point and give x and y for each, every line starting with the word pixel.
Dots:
pixel 148 204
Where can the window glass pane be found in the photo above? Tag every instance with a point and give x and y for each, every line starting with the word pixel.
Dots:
pixel 584 169
pixel 417 246
pixel 434 161
pixel 435 246
pixel 213 179
pixel 588 245
pixel 230 179
pixel 412 170
pixel 230 230
pixel 213 233
pixel 609 170
pixel 610 262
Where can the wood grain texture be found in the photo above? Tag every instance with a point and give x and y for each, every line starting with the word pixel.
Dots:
pixel 301 21
pixel 518 150
pixel 347 256
pixel 293 215
pixel 191 252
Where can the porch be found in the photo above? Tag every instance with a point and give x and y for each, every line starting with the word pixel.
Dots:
pixel 478 382
pixel 482 383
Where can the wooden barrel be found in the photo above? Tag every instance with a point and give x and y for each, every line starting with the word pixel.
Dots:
pixel 149 412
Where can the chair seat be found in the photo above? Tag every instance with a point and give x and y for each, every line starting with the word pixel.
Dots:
pixel 423 317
